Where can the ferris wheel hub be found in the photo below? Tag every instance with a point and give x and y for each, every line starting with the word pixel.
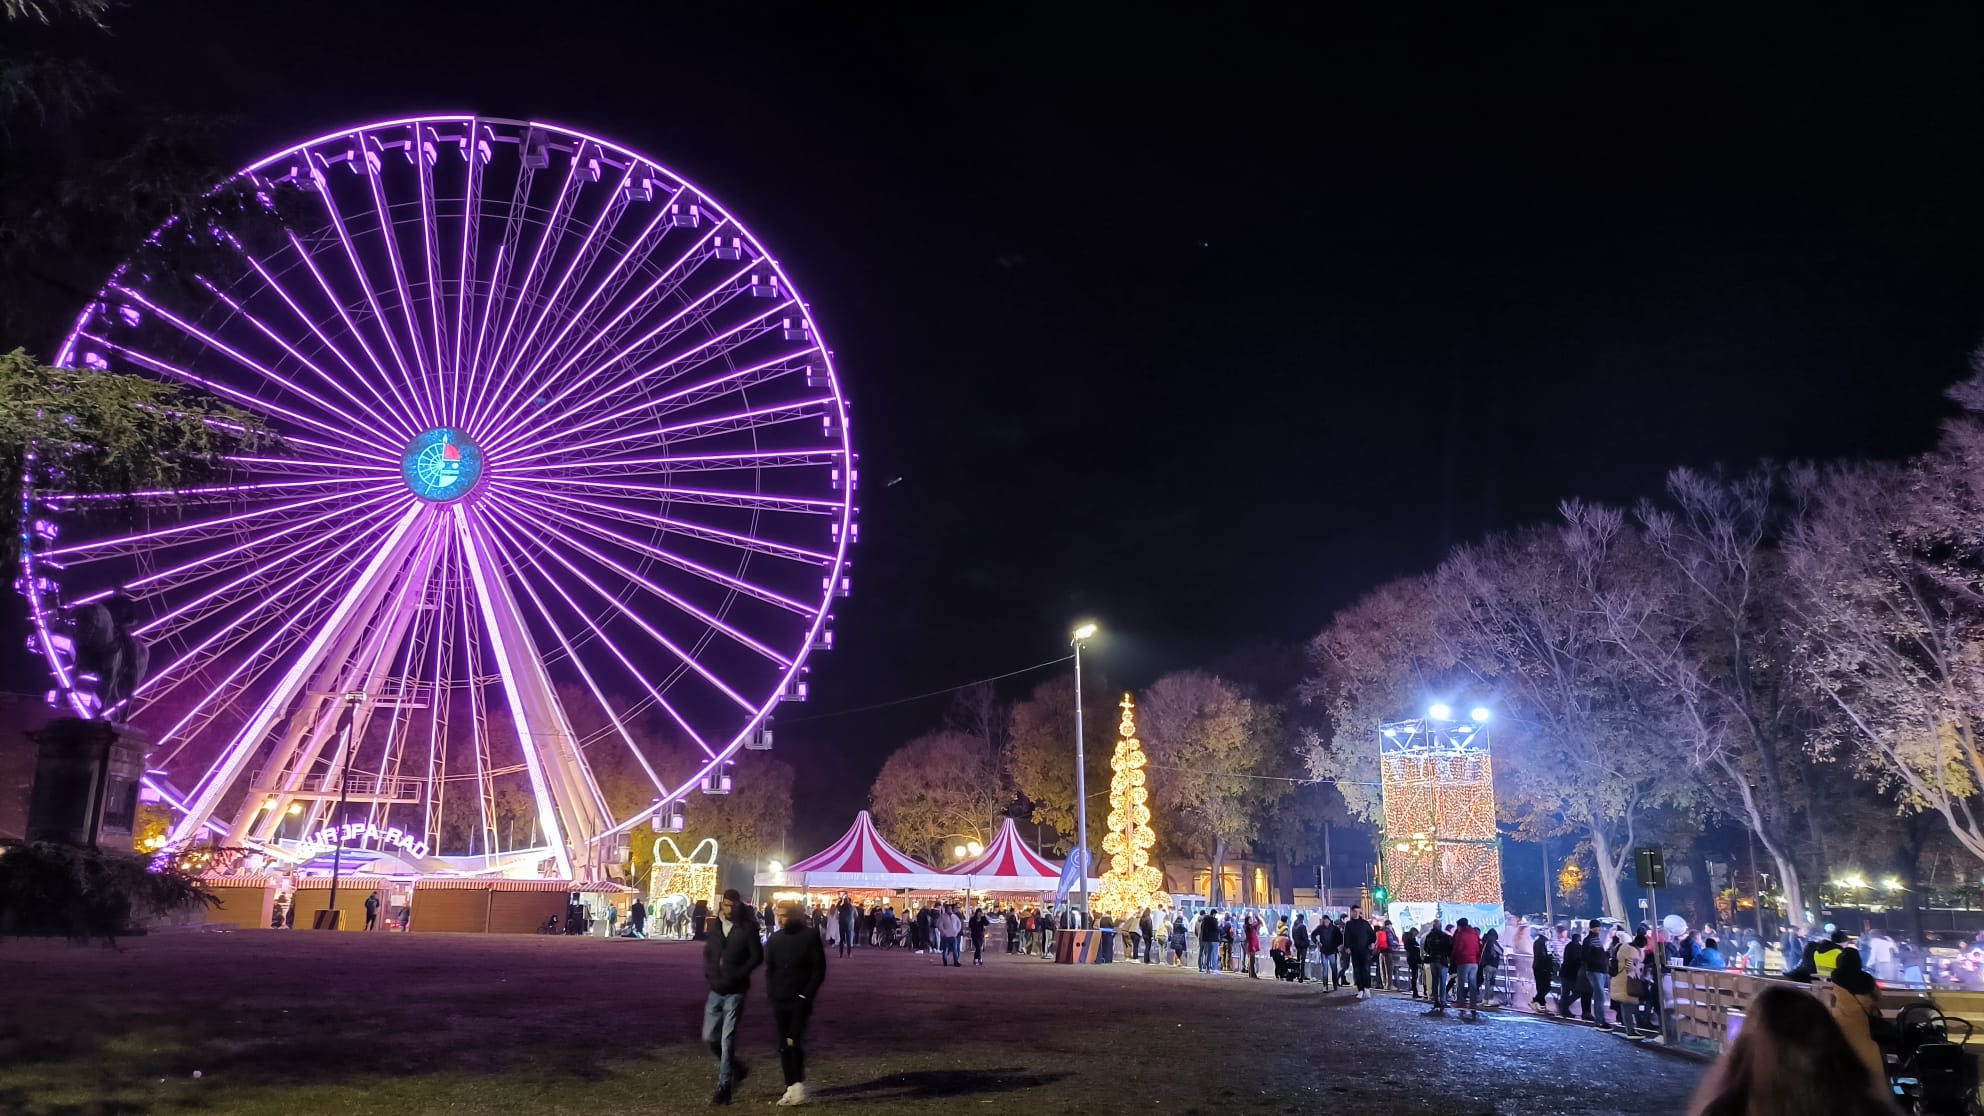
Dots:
pixel 441 465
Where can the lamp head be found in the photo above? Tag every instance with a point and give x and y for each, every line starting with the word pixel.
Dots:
pixel 1085 631
pixel 1441 711
pixel 775 866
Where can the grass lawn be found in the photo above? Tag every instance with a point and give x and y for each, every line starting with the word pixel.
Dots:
pixel 403 1024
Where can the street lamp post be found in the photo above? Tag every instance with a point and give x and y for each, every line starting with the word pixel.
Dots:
pixel 1083 633
pixel 352 700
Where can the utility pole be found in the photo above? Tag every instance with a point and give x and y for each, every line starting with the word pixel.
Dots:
pixel 352 700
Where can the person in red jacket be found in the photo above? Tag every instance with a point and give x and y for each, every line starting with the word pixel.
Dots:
pixel 1467 963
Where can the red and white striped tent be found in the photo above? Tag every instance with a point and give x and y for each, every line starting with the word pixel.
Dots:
pixel 1008 865
pixel 861 859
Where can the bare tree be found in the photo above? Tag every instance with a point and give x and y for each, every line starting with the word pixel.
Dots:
pixel 1703 622
pixel 1889 605
pixel 1580 755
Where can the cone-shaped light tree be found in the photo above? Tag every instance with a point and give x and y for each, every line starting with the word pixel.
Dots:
pixel 1132 883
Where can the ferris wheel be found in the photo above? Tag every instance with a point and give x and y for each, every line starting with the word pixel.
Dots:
pixel 560 502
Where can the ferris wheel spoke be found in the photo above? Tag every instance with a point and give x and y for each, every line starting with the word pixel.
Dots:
pixel 752 419
pixel 718 577
pixel 616 201
pixel 715 347
pixel 107 547
pixel 470 244
pixel 669 464
pixel 479 383
pixel 237 752
pixel 665 285
pixel 749 543
pixel 722 498
pixel 264 601
pixel 527 288
pixel 608 286
pixel 353 427
pixel 578 663
pixel 518 549
pixel 364 280
pixel 731 382
pixel 396 263
pixel 567 538
pixel 303 617
pixel 406 407
pixel 683 319
pixel 381 421
pixel 212 565
pixel 193 494
pixel 512 296
pixel 246 399
pixel 423 156
pixel 526 527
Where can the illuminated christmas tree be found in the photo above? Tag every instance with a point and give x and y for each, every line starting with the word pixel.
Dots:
pixel 1132 882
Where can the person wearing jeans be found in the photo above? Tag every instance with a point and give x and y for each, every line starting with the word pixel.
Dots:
pixel 1467 966
pixel 1208 942
pixel 949 928
pixel 1438 948
pixel 731 950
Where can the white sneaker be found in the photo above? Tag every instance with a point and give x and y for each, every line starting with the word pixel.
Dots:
pixel 794 1095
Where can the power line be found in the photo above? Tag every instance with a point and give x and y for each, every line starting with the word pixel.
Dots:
pixel 783 721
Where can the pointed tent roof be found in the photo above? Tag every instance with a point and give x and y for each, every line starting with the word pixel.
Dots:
pixel 1008 857
pixel 862 851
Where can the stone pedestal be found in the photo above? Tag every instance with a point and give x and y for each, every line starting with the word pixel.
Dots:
pixel 86 784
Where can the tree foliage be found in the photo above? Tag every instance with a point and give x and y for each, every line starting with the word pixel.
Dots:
pixel 937 791
pixel 100 433
pixel 1888 600
pixel 1040 754
pixel 52 890
pixel 1213 762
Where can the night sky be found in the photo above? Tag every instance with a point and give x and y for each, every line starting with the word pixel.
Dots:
pixel 1203 323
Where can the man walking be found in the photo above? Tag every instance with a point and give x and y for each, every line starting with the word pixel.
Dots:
pixel 1300 937
pixel 1467 962
pixel 975 926
pixel 372 911
pixel 1145 928
pixel 845 911
pixel 1358 935
pixel 1597 976
pixel 949 926
pixel 795 967
pixel 1328 940
pixel 731 950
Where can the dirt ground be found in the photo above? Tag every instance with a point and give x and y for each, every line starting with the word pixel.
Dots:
pixel 293 1022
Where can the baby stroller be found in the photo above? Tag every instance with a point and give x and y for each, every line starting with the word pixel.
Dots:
pixel 1934 1075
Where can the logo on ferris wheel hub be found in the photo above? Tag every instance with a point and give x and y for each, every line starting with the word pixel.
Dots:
pixel 442 465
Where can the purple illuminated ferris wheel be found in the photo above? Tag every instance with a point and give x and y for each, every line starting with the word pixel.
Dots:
pixel 561 503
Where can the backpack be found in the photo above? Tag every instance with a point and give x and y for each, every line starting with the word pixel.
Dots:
pixel 1382 942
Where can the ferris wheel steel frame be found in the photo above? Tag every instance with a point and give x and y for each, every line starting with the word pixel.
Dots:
pixel 501 466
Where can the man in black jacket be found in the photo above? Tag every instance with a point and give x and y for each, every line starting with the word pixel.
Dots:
pixel 731 950
pixel 1570 978
pixel 795 967
pixel 1299 937
pixel 1359 937
pixel 1438 949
